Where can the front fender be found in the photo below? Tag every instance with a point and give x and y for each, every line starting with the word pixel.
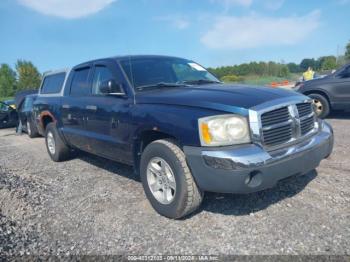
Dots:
pixel 180 122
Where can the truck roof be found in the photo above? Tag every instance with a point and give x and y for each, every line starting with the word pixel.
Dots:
pixel 123 57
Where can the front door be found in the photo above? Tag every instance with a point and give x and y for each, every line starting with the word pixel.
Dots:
pixel 107 116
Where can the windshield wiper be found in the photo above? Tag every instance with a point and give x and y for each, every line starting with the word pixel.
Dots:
pixel 159 85
pixel 201 82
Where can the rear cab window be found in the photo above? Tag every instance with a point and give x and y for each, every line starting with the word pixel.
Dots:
pixel 53 83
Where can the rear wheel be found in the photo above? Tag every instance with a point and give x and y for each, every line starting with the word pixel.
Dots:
pixel 56 147
pixel 31 130
pixel 167 180
pixel 321 105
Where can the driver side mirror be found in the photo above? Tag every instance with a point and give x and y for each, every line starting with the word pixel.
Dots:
pixel 111 87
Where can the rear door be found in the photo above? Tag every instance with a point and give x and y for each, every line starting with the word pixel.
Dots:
pixel 107 116
pixel 73 106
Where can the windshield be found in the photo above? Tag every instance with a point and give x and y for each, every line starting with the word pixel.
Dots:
pixel 162 72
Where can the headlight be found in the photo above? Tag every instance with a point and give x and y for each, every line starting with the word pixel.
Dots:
pixel 223 130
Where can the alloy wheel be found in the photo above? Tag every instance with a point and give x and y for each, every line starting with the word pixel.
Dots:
pixel 51 144
pixel 161 180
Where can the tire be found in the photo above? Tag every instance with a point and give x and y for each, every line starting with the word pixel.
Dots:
pixel 321 104
pixel 31 130
pixel 185 196
pixel 56 147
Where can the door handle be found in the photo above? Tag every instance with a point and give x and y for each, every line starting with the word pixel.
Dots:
pixel 94 108
pixel 66 106
pixel 115 123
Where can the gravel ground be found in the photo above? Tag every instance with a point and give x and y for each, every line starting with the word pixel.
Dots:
pixel 94 206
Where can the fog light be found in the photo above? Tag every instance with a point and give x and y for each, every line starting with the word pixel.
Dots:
pixel 254 179
pixel 248 178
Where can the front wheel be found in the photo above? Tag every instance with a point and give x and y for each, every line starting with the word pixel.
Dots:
pixel 56 147
pixel 167 180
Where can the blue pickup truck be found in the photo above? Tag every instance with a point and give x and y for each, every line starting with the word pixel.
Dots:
pixel 181 129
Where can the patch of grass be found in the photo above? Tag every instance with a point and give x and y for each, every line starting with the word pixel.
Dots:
pixel 266 80
pixel 6 98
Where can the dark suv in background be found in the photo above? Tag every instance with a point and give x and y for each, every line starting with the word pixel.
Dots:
pixel 8 116
pixel 329 93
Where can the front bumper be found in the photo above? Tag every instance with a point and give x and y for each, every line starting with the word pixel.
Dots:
pixel 250 168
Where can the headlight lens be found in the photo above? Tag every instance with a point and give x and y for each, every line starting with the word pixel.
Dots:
pixel 223 130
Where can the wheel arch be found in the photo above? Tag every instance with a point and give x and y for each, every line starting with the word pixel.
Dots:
pixel 45 118
pixel 144 138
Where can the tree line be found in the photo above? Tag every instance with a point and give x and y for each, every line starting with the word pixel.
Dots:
pixel 276 69
pixel 24 76
pixel 237 72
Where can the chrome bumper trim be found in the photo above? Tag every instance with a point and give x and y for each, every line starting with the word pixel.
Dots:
pixel 253 156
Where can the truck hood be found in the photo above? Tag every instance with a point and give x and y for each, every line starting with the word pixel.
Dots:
pixel 228 98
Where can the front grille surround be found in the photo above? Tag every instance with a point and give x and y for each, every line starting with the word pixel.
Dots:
pixel 287 123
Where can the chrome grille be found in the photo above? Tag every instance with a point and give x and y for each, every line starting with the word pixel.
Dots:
pixel 307 125
pixel 275 116
pixel 286 124
pixel 278 135
pixel 307 118
pixel 304 109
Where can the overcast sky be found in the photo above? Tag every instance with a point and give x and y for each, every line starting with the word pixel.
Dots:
pixel 61 33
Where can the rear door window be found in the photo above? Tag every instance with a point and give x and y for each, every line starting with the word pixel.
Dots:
pixel 80 82
pixel 53 83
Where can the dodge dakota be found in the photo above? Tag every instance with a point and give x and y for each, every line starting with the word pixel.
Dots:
pixel 182 130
